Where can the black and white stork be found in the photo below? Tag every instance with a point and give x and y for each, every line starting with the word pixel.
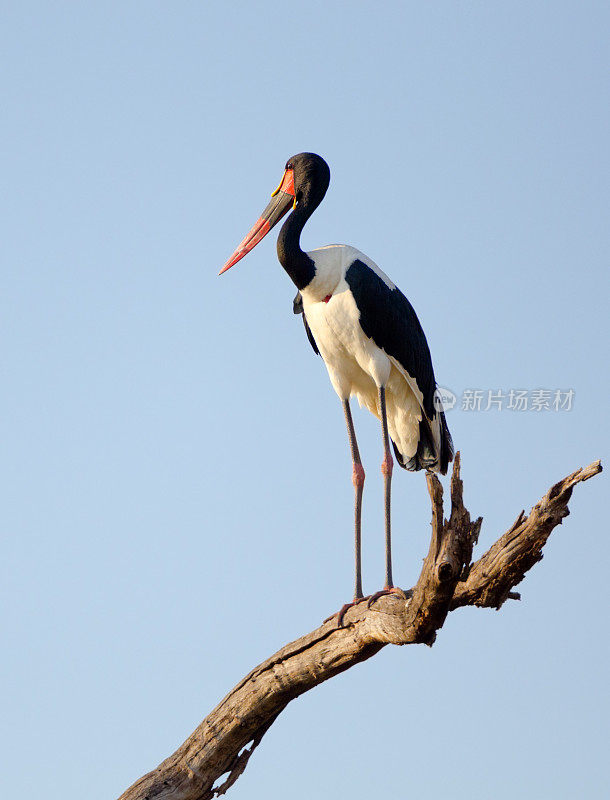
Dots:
pixel 369 336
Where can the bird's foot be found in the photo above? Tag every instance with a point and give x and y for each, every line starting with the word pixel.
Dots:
pixel 341 613
pixel 369 599
pixel 388 590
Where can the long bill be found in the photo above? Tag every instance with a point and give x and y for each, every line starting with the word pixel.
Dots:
pixel 281 201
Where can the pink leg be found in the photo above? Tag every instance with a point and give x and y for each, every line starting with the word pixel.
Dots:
pixel 387 466
pixel 358 481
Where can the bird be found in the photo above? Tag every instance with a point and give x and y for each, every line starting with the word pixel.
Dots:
pixel 370 339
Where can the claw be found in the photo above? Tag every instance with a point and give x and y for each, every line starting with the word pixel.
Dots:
pixel 387 590
pixel 341 613
pixel 370 599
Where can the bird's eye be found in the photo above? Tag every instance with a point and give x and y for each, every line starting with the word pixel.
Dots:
pixel 289 166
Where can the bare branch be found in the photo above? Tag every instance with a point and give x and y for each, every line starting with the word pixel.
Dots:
pixel 504 565
pixel 225 740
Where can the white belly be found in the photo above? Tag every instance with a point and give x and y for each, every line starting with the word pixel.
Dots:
pixel 357 367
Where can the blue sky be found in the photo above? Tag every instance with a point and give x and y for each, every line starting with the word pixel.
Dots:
pixel 176 477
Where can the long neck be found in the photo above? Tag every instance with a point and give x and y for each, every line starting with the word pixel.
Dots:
pixel 297 264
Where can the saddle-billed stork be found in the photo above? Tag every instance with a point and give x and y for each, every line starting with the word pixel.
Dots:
pixel 369 336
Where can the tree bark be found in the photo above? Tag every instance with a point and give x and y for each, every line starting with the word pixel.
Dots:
pixel 225 740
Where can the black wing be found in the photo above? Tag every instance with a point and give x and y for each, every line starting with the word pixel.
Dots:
pixel 297 307
pixel 388 318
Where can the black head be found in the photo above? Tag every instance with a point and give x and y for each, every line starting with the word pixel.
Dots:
pixel 311 175
pixel 303 185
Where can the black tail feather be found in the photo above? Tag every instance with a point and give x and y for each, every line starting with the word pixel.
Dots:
pixel 447 451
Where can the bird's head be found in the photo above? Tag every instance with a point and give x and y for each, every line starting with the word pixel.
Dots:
pixel 311 175
pixel 305 180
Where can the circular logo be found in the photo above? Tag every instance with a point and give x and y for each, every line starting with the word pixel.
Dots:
pixel 444 399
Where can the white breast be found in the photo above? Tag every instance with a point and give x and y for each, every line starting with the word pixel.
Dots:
pixel 356 366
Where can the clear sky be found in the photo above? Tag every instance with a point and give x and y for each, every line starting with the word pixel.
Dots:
pixel 177 498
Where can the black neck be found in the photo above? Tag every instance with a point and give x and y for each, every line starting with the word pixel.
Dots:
pixel 297 263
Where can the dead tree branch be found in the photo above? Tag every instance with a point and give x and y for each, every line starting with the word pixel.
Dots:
pixel 225 740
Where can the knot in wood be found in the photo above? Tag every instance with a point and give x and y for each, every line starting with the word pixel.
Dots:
pixel 445 571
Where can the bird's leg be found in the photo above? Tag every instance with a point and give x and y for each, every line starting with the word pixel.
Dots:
pixel 358 481
pixel 387 466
